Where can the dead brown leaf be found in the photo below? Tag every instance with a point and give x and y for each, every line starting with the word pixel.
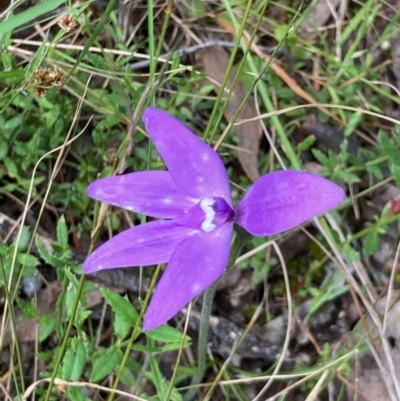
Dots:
pixel 214 61
pixel 318 17
pixel 27 329
pixel 395 51
pixel 370 382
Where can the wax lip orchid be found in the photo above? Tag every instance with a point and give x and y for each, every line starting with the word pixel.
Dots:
pixel 193 199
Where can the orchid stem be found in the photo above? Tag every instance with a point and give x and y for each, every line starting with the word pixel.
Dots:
pixel 241 237
pixel 203 332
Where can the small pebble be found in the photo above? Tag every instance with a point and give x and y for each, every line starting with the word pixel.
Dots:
pixel 30 285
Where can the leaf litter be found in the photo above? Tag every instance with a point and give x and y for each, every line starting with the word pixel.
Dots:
pixel 214 61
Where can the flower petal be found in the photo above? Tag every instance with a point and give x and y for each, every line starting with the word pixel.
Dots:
pixel 153 193
pixel 143 245
pixel 282 200
pixel 195 166
pixel 197 262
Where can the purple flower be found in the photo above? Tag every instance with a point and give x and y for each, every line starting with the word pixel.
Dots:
pixel 193 198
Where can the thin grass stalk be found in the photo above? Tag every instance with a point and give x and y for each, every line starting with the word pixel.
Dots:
pixel 319 105
pixel 171 382
pixel 164 27
pixel 241 64
pixel 236 345
pixel 286 145
pixel 150 24
pixel 289 323
pixel 92 38
pixel 207 135
pixel 336 364
pixel 246 50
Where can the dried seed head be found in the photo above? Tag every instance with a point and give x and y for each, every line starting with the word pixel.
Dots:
pixel 40 92
pixel 49 77
pixel 46 77
pixel 41 76
pixel 66 22
pixel 56 77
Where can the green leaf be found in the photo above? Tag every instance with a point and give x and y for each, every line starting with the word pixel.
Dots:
pixel 76 393
pixel 145 348
pixel 161 383
pixel 47 325
pixel 121 327
pixel 395 169
pixel 28 308
pixel 98 61
pixel 13 123
pixel 306 143
pixel 105 364
pixel 82 316
pixel 74 361
pixel 175 61
pixel 12 75
pixel 371 243
pixel 121 306
pixel 350 253
pixel 12 168
pixel 314 292
pixel 346 176
pixel 321 157
pixel 3 149
pixel 27 260
pixel 280 32
pixel 24 239
pixel 48 257
pixel 377 172
pixel 62 232
pixel 52 116
pixel 388 147
pixel 175 346
pixel 352 123
pixel 128 377
pixel 166 334
pixel 71 292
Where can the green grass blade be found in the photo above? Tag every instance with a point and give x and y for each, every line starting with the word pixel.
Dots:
pixel 95 34
pixel 29 15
